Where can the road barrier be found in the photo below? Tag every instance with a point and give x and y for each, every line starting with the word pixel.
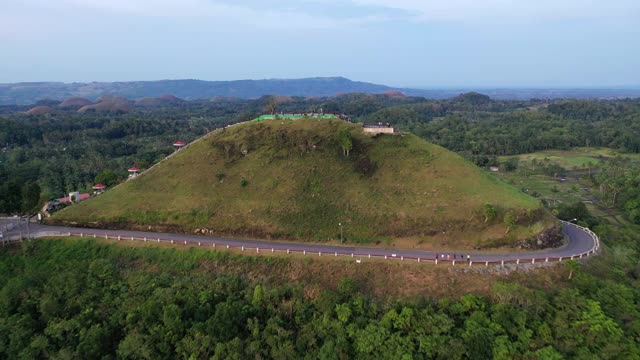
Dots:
pixel 284 249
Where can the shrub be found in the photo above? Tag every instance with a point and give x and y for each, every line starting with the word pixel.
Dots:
pixel 510 220
pixel 511 164
pixel 489 212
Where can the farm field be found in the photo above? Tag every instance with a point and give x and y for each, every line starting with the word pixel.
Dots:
pixel 569 186
pixel 573 159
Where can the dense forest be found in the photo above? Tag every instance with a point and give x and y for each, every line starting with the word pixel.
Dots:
pixel 82 299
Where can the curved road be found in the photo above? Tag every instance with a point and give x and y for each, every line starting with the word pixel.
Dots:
pixel 581 242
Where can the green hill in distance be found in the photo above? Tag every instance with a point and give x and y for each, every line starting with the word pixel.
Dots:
pixel 292 180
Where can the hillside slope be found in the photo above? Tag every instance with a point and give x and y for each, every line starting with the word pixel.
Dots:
pixel 291 180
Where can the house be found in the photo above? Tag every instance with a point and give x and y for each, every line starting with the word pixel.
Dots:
pixel 380 128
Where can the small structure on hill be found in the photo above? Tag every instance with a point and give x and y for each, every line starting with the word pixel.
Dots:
pixel 494 168
pixel 179 145
pixel 380 128
pixel 133 172
pixel 99 188
pixel 74 197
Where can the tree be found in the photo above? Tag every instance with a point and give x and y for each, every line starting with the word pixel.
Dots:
pixel 490 212
pixel 573 266
pixel 511 220
pixel 258 296
pixel 30 197
pixel 10 197
pixel 107 177
pixel 589 165
pixel 345 141
pixel 511 164
pixel 577 210
pixel 271 107
pixel 343 312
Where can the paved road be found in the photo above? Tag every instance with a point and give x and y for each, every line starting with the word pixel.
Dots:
pixel 580 241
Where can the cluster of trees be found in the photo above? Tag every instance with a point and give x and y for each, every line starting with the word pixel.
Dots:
pixel 619 184
pixel 66 152
pixel 507 128
pixel 147 303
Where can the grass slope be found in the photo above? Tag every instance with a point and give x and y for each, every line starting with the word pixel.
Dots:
pixel 290 179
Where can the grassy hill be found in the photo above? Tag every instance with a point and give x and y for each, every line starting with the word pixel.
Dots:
pixel 290 179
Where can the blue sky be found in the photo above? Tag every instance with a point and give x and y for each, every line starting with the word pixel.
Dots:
pixel 427 43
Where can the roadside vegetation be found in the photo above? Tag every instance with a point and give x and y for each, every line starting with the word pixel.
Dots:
pixel 152 303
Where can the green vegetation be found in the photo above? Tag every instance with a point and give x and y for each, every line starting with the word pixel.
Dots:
pixel 484 129
pixel 618 182
pixel 581 158
pixel 65 151
pixel 72 152
pixel 79 298
pixel 603 181
pixel 82 299
pixel 296 183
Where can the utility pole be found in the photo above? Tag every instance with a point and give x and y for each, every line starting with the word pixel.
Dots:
pixel 341 239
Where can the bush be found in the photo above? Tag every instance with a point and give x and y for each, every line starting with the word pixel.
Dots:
pixel 510 220
pixel 244 182
pixel 511 164
pixel 365 166
pixel 578 211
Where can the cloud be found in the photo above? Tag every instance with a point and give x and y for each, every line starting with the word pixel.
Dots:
pixel 283 14
pixel 20 19
pixel 511 10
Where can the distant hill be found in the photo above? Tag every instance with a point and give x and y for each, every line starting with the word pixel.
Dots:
pixel 40 110
pixel 75 102
pixel 30 93
pixel 291 180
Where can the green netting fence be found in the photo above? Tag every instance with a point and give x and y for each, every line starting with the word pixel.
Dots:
pixel 294 117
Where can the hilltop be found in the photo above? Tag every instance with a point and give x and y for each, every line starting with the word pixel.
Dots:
pixel 40 110
pixel 291 179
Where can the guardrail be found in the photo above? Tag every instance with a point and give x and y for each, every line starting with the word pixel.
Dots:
pixel 284 249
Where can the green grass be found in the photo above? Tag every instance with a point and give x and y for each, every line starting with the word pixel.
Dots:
pixel 299 185
pixel 577 186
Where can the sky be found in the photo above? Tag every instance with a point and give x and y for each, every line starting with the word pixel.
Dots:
pixel 409 43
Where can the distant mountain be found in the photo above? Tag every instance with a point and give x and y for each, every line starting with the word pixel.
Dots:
pixel 30 93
